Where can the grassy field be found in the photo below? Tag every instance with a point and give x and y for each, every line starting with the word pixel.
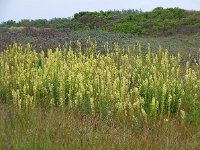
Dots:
pixel 80 97
pixel 41 38
pixel 56 129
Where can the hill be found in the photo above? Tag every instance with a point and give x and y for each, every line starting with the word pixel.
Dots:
pixel 159 21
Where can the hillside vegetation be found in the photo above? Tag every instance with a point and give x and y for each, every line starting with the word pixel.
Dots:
pixel 158 21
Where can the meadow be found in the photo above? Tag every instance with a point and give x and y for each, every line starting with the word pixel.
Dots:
pixel 79 97
pixel 101 80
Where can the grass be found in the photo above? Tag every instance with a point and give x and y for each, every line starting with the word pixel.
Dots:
pixel 50 38
pixel 58 129
pixel 74 99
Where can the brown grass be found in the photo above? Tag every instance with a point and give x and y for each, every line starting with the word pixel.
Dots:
pixel 58 129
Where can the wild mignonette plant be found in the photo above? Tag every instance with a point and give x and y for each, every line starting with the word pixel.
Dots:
pixel 122 84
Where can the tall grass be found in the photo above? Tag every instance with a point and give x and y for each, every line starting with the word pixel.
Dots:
pixel 63 130
pixel 122 84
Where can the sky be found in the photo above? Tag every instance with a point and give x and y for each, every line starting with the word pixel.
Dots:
pixel 47 9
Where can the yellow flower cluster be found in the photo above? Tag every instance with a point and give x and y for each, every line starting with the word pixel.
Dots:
pixel 118 83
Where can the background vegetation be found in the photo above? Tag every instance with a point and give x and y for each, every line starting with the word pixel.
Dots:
pixel 43 38
pixel 160 21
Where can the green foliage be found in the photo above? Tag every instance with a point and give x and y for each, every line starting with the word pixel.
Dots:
pixel 158 21
pixel 151 22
